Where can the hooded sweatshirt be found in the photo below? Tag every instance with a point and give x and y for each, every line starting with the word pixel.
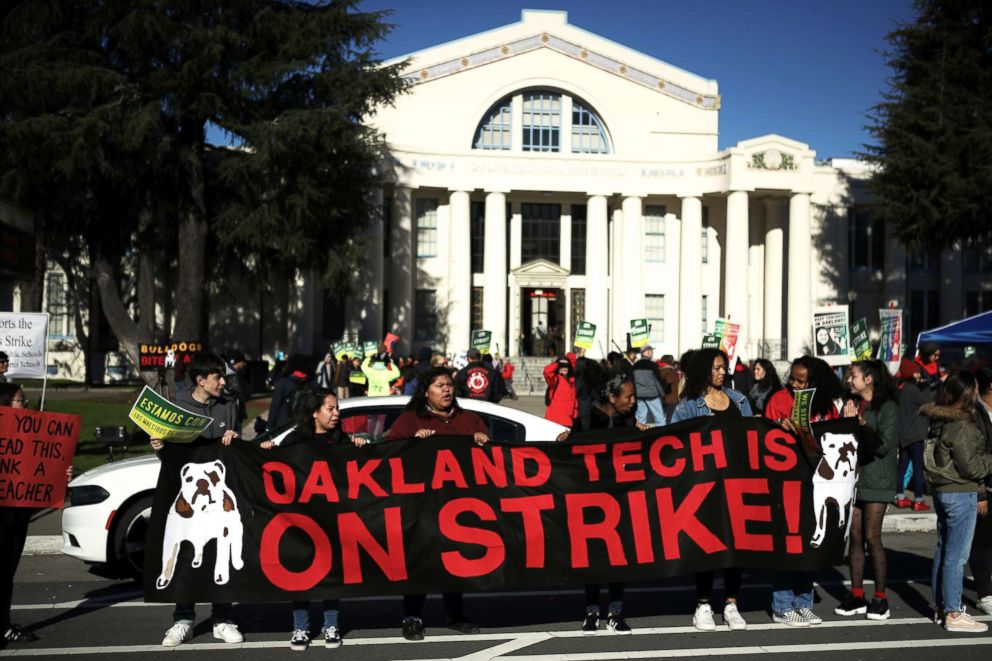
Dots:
pixel 223 411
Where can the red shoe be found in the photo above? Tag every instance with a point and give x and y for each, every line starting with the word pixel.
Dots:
pixel 921 507
pixel 903 503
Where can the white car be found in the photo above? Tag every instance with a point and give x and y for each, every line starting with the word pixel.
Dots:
pixel 105 519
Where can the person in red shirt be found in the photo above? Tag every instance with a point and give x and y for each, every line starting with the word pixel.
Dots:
pixel 807 372
pixel 432 411
pixel 561 399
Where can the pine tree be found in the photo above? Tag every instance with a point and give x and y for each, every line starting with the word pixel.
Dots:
pixel 105 108
pixel 933 131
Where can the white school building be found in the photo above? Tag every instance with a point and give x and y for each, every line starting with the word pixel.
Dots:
pixel 542 175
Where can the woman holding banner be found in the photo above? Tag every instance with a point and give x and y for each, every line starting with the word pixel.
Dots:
pixel 433 410
pixel 316 421
pixel 876 408
pixel 704 394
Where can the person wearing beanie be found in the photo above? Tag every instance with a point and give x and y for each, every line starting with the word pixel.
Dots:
pixel 912 432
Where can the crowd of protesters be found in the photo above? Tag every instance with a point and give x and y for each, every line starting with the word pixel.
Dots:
pixel 931 431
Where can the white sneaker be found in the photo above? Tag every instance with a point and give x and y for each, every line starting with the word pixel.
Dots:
pixel 791 618
pixel 179 633
pixel 985 605
pixel 228 632
pixel 732 617
pixel 702 619
pixel 964 623
pixel 811 617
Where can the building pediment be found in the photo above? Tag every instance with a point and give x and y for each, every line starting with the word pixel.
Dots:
pixel 773 152
pixel 540 272
pixel 536 32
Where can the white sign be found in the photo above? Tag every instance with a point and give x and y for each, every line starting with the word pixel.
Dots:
pixel 23 338
pixel 831 339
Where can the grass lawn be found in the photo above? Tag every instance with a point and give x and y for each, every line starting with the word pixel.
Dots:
pixel 111 411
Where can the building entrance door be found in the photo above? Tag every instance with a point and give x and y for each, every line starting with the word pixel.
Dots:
pixel 543 317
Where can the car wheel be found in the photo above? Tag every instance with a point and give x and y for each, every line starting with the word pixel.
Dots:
pixel 129 537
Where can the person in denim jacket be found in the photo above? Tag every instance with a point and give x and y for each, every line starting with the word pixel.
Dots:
pixel 705 395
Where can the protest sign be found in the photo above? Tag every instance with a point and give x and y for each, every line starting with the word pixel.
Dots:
pixel 639 333
pixel 860 343
pixel 830 335
pixel 728 333
pixel 390 341
pixel 890 338
pixel 336 349
pixel 370 348
pixel 803 400
pixel 409 517
pixel 23 338
pixel 481 339
pixel 710 342
pixel 167 354
pixel 160 418
pixel 36 448
pixel 349 349
pixel 585 334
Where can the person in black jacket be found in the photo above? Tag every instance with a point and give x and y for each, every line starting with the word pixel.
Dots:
pixel 316 421
pixel 299 370
pixel 477 380
pixel 650 388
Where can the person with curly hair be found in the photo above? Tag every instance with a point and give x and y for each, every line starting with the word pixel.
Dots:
pixel 875 407
pixel 433 410
pixel 705 395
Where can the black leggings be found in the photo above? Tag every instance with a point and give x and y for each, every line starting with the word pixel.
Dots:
pixel 592 594
pixel 866 527
pixel 732 578
pixel 413 605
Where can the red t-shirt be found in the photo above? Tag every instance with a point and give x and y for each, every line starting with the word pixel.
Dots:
pixel 459 423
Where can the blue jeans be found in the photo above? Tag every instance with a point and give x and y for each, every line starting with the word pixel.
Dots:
pixel 912 454
pixel 791 590
pixel 956 515
pixel 652 406
pixel 301 614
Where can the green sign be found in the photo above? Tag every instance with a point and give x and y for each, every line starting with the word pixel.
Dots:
pixel 711 341
pixel 860 343
pixel 481 339
pixel 162 419
pixel 336 349
pixel 801 407
pixel 370 348
pixel 969 352
pixel 584 335
pixel 639 333
pixel 349 349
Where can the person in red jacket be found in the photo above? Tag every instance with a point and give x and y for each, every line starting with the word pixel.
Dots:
pixel 562 403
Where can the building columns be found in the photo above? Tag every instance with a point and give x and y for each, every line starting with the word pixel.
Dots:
pixel 632 301
pixel 774 263
pixel 597 262
pixel 736 246
pixel 800 322
pixel 459 271
pixel 494 271
pixel 402 268
pixel 690 275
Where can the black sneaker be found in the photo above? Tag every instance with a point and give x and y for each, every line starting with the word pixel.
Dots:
pixel 300 640
pixel 617 624
pixel 879 609
pixel 852 606
pixel 15 634
pixel 591 624
pixel 331 637
pixel 413 628
pixel 463 626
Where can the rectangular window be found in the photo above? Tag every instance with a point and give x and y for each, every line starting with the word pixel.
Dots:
pixel 705 317
pixel 654 233
pixel 477 302
pixel 427 227
pixel 541 121
pixel 425 314
pixel 924 311
pixel 976 302
pixel 477 212
pixel 976 258
pixel 867 240
pixel 926 260
pixel 579 239
pixel 60 324
pixel 706 235
pixel 541 232
pixel 654 310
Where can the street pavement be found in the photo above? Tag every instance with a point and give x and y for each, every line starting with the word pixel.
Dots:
pixel 77 610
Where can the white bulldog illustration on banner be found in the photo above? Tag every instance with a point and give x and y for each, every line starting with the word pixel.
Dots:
pixel 205 509
pixel 833 483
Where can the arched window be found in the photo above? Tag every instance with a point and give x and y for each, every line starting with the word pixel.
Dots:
pixel 546 125
pixel 494 131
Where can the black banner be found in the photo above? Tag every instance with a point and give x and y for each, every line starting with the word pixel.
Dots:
pixel 238 523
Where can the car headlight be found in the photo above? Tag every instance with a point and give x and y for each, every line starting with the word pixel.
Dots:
pixel 88 494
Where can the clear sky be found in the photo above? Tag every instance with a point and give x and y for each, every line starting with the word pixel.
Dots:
pixel 805 69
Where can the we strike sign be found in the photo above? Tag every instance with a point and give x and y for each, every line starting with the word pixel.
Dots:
pixel 443 514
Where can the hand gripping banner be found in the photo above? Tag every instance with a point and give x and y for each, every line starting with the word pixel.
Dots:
pixel 442 514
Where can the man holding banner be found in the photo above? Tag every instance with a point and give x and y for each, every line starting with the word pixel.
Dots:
pixel 206 401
